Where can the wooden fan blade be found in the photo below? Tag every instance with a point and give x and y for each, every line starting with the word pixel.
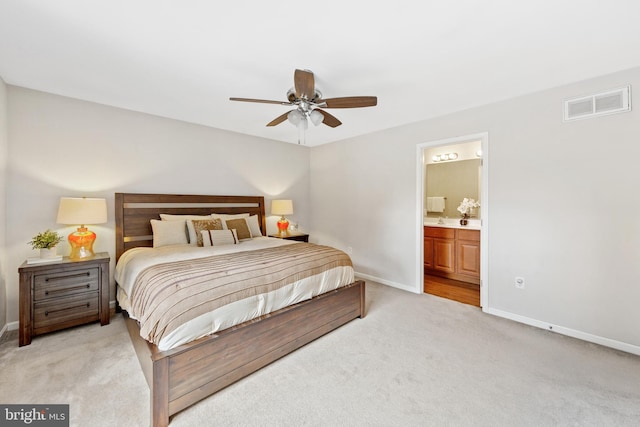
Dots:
pixel 278 119
pixel 329 120
pixel 349 102
pixel 304 83
pixel 263 101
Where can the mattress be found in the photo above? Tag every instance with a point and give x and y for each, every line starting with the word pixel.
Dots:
pixel 138 262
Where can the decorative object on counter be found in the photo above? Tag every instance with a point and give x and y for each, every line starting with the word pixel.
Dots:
pixel 282 208
pixel 46 242
pixel 74 211
pixel 465 208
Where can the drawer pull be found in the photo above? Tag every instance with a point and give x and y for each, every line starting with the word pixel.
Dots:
pixel 66 277
pixel 52 291
pixel 46 313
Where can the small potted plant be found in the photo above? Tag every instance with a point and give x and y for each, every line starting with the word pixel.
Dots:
pixel 46 242
pixel 465 209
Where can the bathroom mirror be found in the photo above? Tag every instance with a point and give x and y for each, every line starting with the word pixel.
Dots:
pixel 454 181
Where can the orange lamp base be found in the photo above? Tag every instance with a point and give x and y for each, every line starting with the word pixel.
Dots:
pixel 283 226
pixel 81 242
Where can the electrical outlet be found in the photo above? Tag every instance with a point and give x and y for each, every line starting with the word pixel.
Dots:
pixel 519 282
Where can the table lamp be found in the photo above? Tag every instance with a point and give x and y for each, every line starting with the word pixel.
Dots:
pixel 85 210
pixel 282 208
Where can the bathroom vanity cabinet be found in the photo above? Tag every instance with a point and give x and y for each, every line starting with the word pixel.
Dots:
pixel 453 253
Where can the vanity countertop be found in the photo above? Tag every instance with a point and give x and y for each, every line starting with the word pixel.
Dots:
pixel 474 224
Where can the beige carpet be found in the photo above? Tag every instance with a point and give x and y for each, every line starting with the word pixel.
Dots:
pixel 415 360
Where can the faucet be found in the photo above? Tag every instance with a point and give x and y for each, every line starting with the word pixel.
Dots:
pixel 440 220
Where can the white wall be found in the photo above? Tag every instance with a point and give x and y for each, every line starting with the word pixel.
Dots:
pixel 64 147
pixel 3 205
pixel 563 208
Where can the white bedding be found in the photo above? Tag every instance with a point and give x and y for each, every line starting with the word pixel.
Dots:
pixel 133 261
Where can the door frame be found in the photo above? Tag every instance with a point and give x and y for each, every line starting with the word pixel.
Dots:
pixel 484 209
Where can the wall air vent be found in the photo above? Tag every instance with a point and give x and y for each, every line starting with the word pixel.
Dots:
pixel 599 104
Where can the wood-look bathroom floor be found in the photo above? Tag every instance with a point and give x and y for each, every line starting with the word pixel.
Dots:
pixel 466 293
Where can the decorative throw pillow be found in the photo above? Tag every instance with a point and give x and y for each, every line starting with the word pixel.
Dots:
pixel 191 233
pixel 219 237
pixel 241 227
pixel 204 224
pixel 168 233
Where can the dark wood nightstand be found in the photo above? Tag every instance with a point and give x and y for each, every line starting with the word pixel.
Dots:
pixel 62 294
pixel 292 235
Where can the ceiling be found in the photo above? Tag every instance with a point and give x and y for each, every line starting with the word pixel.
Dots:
pixel 184 59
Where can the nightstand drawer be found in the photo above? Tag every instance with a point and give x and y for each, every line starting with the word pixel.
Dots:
pixel 61 284
pixel 61 313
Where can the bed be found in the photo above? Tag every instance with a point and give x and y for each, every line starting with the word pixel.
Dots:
pixel 189 372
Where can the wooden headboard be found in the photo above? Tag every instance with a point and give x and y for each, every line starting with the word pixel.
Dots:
pixel 134 212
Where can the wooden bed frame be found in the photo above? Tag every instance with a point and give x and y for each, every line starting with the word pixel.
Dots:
pixel 182 376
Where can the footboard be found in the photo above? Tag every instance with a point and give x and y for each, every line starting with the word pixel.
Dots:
pixel 182 376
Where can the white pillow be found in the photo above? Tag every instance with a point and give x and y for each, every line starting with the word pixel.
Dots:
pixel 193 237
pixel 254 226
pixel 168 233
pixel 219 237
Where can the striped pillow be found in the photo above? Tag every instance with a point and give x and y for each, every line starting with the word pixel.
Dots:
pixel 219 237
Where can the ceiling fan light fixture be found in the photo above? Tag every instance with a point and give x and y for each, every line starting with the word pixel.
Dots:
pixel 294 117
pixel 316 117
pixel 309 104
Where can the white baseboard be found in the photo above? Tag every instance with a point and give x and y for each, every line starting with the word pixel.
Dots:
pixel 607 342
pixel 385 282
pixel 13 326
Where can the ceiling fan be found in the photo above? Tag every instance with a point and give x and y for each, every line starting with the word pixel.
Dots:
pixel 308 102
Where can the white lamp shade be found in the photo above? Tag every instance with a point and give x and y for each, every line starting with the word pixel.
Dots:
pixel 294 117
pixel 82 211
pixel 281 207
pixel 316 117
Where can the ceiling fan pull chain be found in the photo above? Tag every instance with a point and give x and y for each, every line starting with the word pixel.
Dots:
pixel 301 133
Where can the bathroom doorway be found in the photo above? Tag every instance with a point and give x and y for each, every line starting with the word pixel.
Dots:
pixel 452 177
